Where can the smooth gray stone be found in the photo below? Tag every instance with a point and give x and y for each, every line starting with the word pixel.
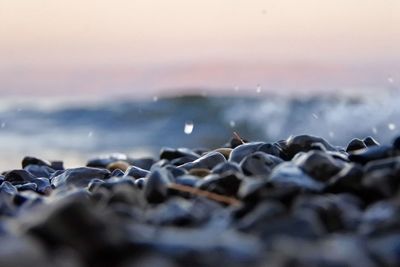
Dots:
pixel 27 186
pixel 318 164
pixel 303 143
pixel 39 170
pixel 372 153
pixel 156 186
pixel 171 153
pixel 207 161
pixel 288 174
pixel 34 161
pixel 259 164
pixel 79 177
pixel 227 183
pixel 355 144
pixel 226 167
pixel 19 177
pixel 136 172
pixel 242 151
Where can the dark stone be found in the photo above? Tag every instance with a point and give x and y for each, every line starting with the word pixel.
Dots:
pixel 288 174
pixel 26 187
pixel 79 177
pixel 171 153
pixel 318 165
pixel 19 177
pixel 303 143
pixel 136 172
pixel 386 249
pixel 260 216
pixel 349 179
pixel 381 177
pixel 140 183
pixel 34 161
pixel 259 164
pixel 74 224
pixel 255 190
pixel 370 141
pixel 156 187
pixel 143 163
pixel 7 189
pixel 355 144
pixel 182 160
pixel 226 183
pixel 39 170
pixel 188 180
pixel 336 212
pixel 225 167
pixel 117 173
pixel 242 151
pixel 366 155
pixel 175 171
pixel 396 143
pixel 208 161
pixel 57 165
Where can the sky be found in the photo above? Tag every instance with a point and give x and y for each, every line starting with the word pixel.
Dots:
pixel 147 47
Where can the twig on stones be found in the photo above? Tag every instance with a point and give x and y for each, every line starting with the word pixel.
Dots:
pixel 237 136
pixel 203 193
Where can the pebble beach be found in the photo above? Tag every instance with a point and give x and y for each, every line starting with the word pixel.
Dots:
pixel 299 201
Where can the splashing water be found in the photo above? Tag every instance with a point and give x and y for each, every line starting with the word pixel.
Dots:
pixel 392 126
pixel 258 89
pixel 188 129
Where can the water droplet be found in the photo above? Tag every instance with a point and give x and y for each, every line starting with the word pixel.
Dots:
pixel 392 126
pixel 232 123
pixel 331 134
pixel 374 130
pixel 19 109
pixel 390 80
pixel 315 116
pixel 155 98
pixel 90 134
pixel 264 11
pixel 188 127
pixel 236 88
pixel 258 89
pixel 3 124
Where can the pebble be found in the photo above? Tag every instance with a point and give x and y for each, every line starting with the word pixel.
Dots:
pixel 319 165
pixel 120 165
pixel 259 164
pixel 79 177
pixel 355 144
pixel 135 172
pixel 207 161
pixel 18 177
pixel 366 155
pixel 288 174
pixel 156 187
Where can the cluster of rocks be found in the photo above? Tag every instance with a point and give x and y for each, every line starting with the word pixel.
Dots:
pixel 296 202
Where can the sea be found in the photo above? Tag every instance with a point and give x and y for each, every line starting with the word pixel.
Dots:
pixel 75 130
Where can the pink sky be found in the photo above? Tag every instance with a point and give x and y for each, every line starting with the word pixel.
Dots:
pixel 143 47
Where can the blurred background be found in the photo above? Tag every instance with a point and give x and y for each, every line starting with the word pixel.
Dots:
pixel 89 77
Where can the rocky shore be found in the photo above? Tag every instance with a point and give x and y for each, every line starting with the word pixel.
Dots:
pixel 295 202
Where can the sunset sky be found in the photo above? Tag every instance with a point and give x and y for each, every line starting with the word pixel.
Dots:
pixel 145 47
